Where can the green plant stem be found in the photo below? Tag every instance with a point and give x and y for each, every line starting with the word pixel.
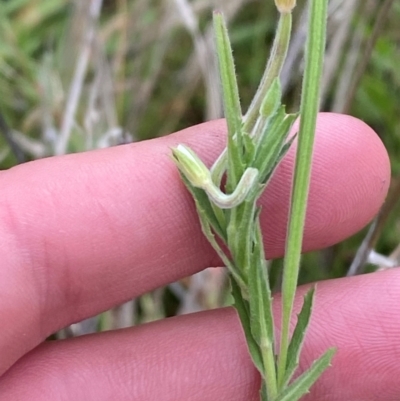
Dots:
pixel 273 70
pixel 308 115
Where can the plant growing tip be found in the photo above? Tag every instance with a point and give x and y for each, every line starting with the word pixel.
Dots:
pixel 285 6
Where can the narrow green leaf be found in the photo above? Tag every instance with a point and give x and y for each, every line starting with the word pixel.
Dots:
pixel 267 156
pixel 281 155
pixel 250 149
pixel 233 112
pixel 240 228
pixel 230 94
pixel 297 340
pixel 273 70
pixel 204 206
pixel 219 167
pixel 260 298
pixel 210 224
pixel 272 99
pixel 241 305
pixel 286 147
pixel 263 392
pixel 272 143
pixel 260 303
pixel 235 165
pixel 303 383
pixel 207 231
pixel 270 125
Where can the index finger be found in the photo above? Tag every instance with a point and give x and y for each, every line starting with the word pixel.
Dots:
pixel 85 232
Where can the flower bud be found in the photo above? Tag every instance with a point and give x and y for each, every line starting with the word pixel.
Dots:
pixel 285 6
pixel 191 166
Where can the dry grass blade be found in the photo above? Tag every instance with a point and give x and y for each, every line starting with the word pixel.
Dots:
pixel 204 52
pixel 379 25
pixel 93 10
pixel 341 22
pixel 7 133
pixel 375 231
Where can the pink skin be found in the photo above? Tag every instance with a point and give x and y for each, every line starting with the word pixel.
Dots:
pixel 85 232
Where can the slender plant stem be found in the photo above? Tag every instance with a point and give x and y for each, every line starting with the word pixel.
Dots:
pixel 273 70
pixel 315 49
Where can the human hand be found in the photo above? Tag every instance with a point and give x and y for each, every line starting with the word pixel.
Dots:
pixel 82 233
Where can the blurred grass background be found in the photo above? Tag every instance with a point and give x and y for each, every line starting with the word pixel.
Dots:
pixel 79 75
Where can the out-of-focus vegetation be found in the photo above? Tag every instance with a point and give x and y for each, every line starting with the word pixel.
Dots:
pixel 78 75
